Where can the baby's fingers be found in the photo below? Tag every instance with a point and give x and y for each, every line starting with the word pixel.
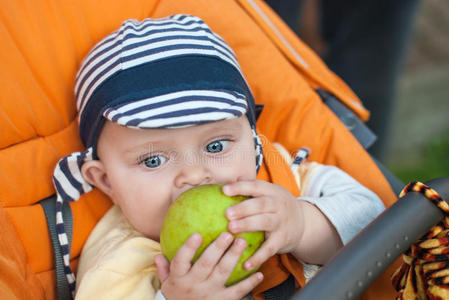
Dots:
pixel 206 263
pixel 267 250
pixel 163 267
pixel 180 264
pixel 253 188
pixel 228 261
pixel 241 289
pixel 252 207
pixel 262 222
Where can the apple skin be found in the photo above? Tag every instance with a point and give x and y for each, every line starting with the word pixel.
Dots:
pixel 202 210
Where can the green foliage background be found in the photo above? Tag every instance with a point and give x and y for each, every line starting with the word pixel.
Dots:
pixel 434 162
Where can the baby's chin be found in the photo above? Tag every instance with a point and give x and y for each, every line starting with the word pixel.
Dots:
pixel 151 233
pixel 154 237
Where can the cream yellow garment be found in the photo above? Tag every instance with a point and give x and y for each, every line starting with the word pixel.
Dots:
pixel 117 262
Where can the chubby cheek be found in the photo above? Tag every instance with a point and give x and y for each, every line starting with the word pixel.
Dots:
pixel 243 167
pixel 250 167
pixel 237 171
pixel 144 208
pixel 146 223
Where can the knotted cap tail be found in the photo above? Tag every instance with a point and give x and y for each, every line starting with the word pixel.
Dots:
pixel 70 185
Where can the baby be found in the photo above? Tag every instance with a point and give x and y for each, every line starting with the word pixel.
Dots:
pixel 164 107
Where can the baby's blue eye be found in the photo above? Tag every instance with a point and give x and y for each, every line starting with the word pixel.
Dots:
pixel 217 146
pixel 154 161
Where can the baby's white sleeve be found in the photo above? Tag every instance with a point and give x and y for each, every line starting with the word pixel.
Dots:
pixel 159 296
pixel 347 204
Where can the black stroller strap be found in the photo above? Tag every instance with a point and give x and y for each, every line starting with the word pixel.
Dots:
pixel 282 291
pixel 360 131
pixel 49 206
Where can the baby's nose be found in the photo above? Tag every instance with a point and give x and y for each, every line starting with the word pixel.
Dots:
pixel 193 175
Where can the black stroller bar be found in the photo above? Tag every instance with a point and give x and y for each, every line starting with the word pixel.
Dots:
pixel 369 254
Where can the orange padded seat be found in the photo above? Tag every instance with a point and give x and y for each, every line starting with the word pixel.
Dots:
pixel 43 43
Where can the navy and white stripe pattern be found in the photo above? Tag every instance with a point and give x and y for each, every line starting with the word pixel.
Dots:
pixel 70 185
pixel 179 109
pixel 137 43
pixel 300 157
pixel 259 150
pixel 142 52
pixel 159 73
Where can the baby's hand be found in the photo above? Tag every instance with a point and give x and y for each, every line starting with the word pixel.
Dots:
pixel 272 209
pixel 206 278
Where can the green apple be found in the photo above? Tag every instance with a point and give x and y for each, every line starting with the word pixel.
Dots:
pixel 202 209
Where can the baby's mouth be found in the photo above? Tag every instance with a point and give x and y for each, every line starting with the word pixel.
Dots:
pixel 178 192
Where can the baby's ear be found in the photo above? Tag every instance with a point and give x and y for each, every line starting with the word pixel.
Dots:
pixel 94 172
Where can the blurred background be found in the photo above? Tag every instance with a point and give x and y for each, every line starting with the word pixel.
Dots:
pixel 395 56
pixel 418 147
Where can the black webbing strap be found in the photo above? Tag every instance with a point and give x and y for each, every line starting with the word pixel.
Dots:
pixel 360 131
pixel 49 206
pixel 282 291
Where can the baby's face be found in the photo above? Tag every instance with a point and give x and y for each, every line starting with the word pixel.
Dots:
pixel 148 169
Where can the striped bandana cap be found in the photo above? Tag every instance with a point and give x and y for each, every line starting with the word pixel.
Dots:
pixel 158 73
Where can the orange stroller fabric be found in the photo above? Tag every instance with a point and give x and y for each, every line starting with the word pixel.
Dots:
pixel 18 281
pixel 43 43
